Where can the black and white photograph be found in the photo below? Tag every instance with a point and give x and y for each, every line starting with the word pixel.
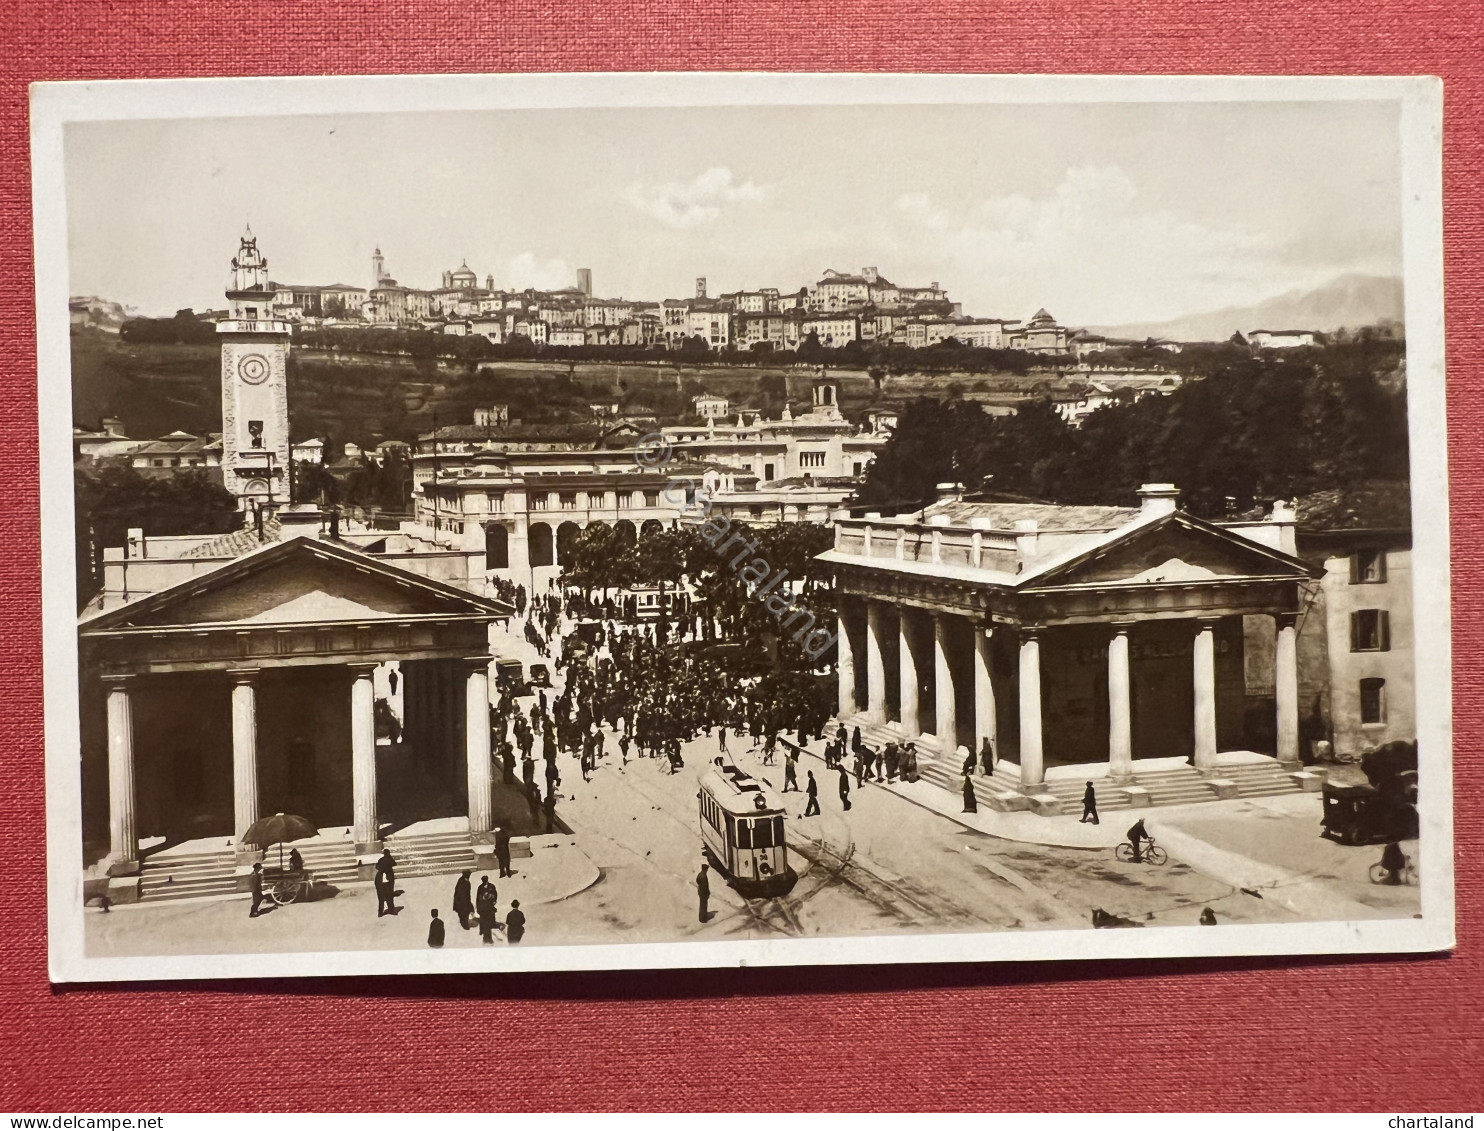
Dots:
pixel 597 522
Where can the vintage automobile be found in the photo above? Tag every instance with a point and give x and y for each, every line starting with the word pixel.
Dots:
pixel 1382 809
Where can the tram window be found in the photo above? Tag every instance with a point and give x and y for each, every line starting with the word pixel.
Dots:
pixel 778 831
pixel 762 834
pixel 744 834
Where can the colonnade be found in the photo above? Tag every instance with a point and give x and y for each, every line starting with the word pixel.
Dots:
pixel 123 834
pixel 878 618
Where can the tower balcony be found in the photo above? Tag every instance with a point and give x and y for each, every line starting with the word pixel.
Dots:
pixel 252 326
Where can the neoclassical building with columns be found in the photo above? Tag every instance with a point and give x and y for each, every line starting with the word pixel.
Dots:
pixel 1084 642
pixel 250 689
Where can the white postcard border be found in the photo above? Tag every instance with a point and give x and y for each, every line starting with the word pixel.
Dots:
pixel 55 104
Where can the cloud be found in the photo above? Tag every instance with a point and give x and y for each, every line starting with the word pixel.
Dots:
pixel 525 270
pixel 918 208
pixel 1095 250
pixel 689 204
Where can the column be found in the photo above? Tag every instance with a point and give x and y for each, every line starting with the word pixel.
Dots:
pixel 363 758
pixel 1205 695
pixel 985 723
pixel 907 671
pixel 875 665
pixel 1032 766
pixel 123 842
pixel 1285 687
pixel 844 663
pixel 947 703
pixel 477 746
pixel 1120 716
pixel 244 751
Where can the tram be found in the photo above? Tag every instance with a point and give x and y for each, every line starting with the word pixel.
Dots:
pixel 743 831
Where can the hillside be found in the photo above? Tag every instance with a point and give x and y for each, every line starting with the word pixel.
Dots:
pixel 1350 300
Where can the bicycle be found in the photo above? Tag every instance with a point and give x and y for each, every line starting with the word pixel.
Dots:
pixel 1407 874
pixel 1151 854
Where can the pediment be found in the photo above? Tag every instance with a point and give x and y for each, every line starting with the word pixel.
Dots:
pixel 1177 551
pixel 297 582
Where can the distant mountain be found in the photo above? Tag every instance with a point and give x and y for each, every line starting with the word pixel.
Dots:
pixel 1350 300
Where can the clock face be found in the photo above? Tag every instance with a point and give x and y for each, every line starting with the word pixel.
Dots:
pixel 253 369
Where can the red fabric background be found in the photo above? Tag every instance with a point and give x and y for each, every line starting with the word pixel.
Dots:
pixel 1383 1033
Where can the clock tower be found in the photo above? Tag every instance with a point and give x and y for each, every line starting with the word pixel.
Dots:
pixel 255 402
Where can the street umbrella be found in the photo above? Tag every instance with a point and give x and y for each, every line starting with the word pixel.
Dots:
pixel 277 829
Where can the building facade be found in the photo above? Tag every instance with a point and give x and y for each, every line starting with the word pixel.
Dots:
pixel 1083 643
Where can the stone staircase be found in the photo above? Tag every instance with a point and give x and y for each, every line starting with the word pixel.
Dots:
pixel 1181 786
pixel 195 875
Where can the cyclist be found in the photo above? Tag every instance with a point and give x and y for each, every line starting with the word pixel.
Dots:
pixel 1136 836
pixel 1393 861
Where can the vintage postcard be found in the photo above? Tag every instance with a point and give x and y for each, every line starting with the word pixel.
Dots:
pixel 613 521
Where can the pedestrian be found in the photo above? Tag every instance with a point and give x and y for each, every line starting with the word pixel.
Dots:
pixel 484 905
pixel 791 772
pixel 549 809
pixel 986 758
pixel 515 923
pixel 502 851
pixel 855 742
pixel 386 884
pixel 844 789
pixel 860 766
pixel 296 862
pixel 969 761
pixel 811 808
pixel 721 738
pixel 703 891
pixel 463 905
pixel 1089 805
pixel 890 756
pixel 255 885
pixel 1208 917
pixel 1393 862
pixel 971 802
pixel 435 930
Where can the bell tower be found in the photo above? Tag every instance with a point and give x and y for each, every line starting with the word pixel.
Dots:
pixel 255 403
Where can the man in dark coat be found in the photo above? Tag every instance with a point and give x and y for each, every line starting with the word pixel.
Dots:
pixel 502 852
pixel 844 789
pixel 255 885
pixel 515 923
pixel 435 930
pixel 790 772
pixel 969 763
pixel 386 884
pixel 1089 805
pixel 703 892
pixel 463 905
pixel 811 807
pixel 971 801
pixel 986 758
pixel 484 905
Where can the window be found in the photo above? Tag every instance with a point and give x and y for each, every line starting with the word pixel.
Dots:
pixel 762 834
pixel 744 834
pixel 538 502
pixel 767 471
pixel 651 498
pixel 811 459
pixel 624 500
pixel 1370 631
pixel 1368 567
pixel 858 468
pixel 1372 702
pixel 496 500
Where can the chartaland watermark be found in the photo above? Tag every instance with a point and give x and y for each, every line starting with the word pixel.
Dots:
pixel 655 452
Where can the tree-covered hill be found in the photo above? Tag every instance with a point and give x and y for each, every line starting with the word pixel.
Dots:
pixel 1255 428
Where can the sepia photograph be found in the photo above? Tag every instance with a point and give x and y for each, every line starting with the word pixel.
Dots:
pixel 598 522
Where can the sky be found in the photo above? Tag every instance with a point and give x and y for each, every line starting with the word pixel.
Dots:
pixel 1103 213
